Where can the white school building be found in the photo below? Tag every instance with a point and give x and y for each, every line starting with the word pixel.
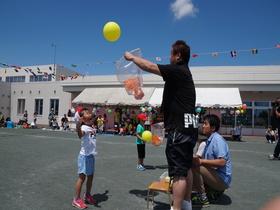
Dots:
pixel 220 89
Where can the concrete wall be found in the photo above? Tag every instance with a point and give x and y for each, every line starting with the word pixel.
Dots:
pixel 39 90
pixel 5 96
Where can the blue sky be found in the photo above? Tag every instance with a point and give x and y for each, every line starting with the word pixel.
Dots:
pixel 30 27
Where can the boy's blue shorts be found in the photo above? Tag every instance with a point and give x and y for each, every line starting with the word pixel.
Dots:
pixel 86 164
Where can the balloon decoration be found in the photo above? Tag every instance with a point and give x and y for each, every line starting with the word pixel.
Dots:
pixel 147 135
pixel 147 108
pixel 239 110
pixel 109 111
pixel 112 31
pixel 198 110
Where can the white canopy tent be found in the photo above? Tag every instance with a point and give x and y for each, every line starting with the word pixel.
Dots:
pixel 207 97
pixel 111 96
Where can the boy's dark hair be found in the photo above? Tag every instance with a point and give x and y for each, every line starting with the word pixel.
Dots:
pixel 83 111
pixel 213 120
pixel 181 47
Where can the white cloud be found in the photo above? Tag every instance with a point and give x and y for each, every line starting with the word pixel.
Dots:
pixel 182 8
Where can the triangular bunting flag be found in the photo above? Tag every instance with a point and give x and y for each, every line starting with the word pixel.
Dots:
pixel 158 58
pixel 277 45
pixel 194 55
pixel 214 54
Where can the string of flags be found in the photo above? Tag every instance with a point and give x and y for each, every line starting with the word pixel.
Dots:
pixel 234 52
pixel 40 72
pixel 213 54
pixel 64 77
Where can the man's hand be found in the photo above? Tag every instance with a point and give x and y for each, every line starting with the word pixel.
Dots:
pixel 196 161
pixel 128 56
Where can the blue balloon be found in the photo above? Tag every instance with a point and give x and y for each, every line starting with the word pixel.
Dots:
pixel 198 110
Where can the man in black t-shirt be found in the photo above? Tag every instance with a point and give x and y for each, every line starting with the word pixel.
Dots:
pixel 180 120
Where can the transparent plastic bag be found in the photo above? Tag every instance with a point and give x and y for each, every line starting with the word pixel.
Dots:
pixel 158 132
pixel 130 75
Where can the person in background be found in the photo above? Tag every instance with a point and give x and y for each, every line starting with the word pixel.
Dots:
pixel 51 116
pixel 105 121
pixel 237 132
pixel 2 120
pixel 117 118
pixel 212 173
pixel 100 122
pixel 25 117
pixel 201 140
pixel 128 126
pixel 275 119
pixel 35 118
pixel 122 131
pixel 54 124
pixel 270 135
pixel 69 114
pixel 63 121
pixel 140 142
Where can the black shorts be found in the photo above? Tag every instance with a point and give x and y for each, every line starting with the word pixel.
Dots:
pixel 141 150
pixel 179 152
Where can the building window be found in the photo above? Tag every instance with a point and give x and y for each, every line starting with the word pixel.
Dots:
pixel 55 105
pixel 261 103
pixel 40 78
pixel 256 115
pixel 245 118
pixel 20 106
pixel 39 106
pixel 15 79
pixel 261 118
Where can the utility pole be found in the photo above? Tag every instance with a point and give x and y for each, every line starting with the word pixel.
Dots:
pixel 54 45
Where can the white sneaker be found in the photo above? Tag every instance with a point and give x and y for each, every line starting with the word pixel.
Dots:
pixel 271 157
pixel 185 205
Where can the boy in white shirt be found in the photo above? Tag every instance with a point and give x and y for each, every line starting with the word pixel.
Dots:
pixel 86 159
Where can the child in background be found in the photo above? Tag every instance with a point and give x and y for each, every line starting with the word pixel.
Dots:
pixel 270 135
pixel 54 124
pixel 140 142
pixel 100 121
pixel 128 126
pixel 201 144
pixel 86 161
pixel 122 130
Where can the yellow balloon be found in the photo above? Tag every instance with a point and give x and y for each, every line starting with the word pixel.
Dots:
pixel 147 135
pixel 112 31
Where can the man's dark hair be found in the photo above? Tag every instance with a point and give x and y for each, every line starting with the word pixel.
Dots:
pixel 181 47
pixel 213 120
